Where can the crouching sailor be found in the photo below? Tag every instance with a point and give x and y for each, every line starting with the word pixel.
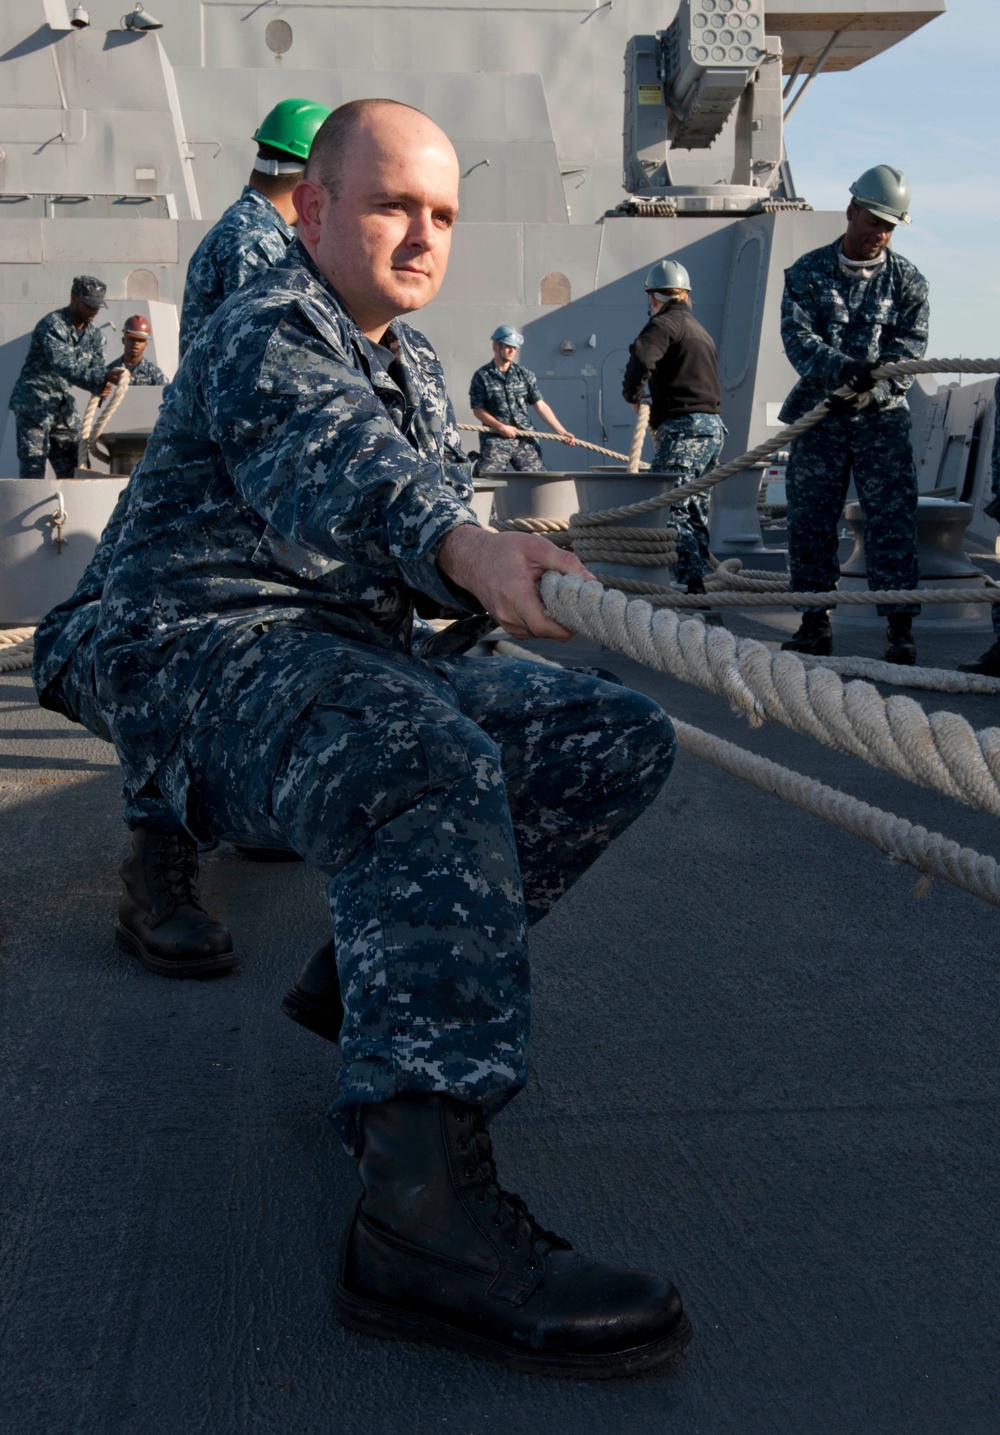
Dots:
pixel 303 493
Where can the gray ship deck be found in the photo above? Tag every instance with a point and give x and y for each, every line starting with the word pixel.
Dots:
pixel 759 1062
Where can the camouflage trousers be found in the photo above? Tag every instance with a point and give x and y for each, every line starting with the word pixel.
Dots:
pixel 497 455
pixel 875 447
pixel 47 438
pixel 688 447
pixel 451 802
pixel 72 693
pixel 993 507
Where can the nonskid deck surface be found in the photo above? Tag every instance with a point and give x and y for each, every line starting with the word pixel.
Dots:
pixel 759 1063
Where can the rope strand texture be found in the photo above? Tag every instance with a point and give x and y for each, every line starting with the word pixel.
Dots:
pixel 93 425
pixel 17 647
pixel 554 438
pixel 902 841
pixel 938 750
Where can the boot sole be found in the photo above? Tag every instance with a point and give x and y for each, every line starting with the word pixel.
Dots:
pixel 372 1318
pixel 127 942
pixel 311 1014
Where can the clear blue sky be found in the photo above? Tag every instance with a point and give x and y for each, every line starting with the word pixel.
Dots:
pixel 930 107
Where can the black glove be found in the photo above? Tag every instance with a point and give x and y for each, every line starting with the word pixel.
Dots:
pixel 857 376
pixel 842 404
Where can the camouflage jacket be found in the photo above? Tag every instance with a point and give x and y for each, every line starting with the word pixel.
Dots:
pixel 505 396
pixel 296 473
pixel 250 237
pixel 59 356
pixel 65 627
pixel 144 372
pixel 829 317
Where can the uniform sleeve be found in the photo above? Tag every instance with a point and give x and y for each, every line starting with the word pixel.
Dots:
pixel 314 452
pixel 82 365
pixel 532 392
pixel 810 357
pixel 906 336
pixel 646 352
pixel 477 392
pixel 238 264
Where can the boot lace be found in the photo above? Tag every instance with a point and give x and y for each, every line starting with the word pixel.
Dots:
pixel 177 868
pixel 509 1210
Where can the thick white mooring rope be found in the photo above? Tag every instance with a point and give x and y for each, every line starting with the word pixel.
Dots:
pixel 17 646
pixel 937 750
pixel 928 852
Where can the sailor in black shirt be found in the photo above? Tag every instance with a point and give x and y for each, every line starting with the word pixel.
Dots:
pixel 675 356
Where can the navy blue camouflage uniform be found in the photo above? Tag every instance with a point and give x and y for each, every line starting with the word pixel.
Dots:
pixel 993 507
pixel 254 658
pixel 144 372
pixel 676 357
pixel 249 238
pixel 829 318
pixel 507 396
pixel 47 420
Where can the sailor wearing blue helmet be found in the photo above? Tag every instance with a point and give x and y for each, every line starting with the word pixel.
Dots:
pixel 500 395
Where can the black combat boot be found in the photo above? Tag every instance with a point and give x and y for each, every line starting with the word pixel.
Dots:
pixel 814 635
pixel 160 917
pixel 899 647
pixel 988 664
pixel 437 1251
pixel 710 617
pixel 314 1000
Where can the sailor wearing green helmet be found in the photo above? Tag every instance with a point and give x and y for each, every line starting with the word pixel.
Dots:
pixel 848 308
pixel 254 233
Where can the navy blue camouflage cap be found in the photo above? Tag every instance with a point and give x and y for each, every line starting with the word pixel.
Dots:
pixel 90 290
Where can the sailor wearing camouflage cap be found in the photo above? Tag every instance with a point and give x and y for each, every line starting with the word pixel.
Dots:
pixel 65 350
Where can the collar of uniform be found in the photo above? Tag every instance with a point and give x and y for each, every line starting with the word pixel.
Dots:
pixel 298 257
pixel 259 201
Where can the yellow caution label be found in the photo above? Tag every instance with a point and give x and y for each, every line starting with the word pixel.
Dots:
pixel 650 95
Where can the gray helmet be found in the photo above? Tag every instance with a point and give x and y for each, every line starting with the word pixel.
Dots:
pixel 884 192
pixel 667 274
pixel 507 334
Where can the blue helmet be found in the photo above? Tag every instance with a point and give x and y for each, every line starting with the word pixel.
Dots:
pixel 507 334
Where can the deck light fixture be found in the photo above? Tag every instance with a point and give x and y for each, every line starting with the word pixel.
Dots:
pixel 140 19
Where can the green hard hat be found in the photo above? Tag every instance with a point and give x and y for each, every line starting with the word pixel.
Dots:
pixel 884 192
pixel 291 127
pixel 667 274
